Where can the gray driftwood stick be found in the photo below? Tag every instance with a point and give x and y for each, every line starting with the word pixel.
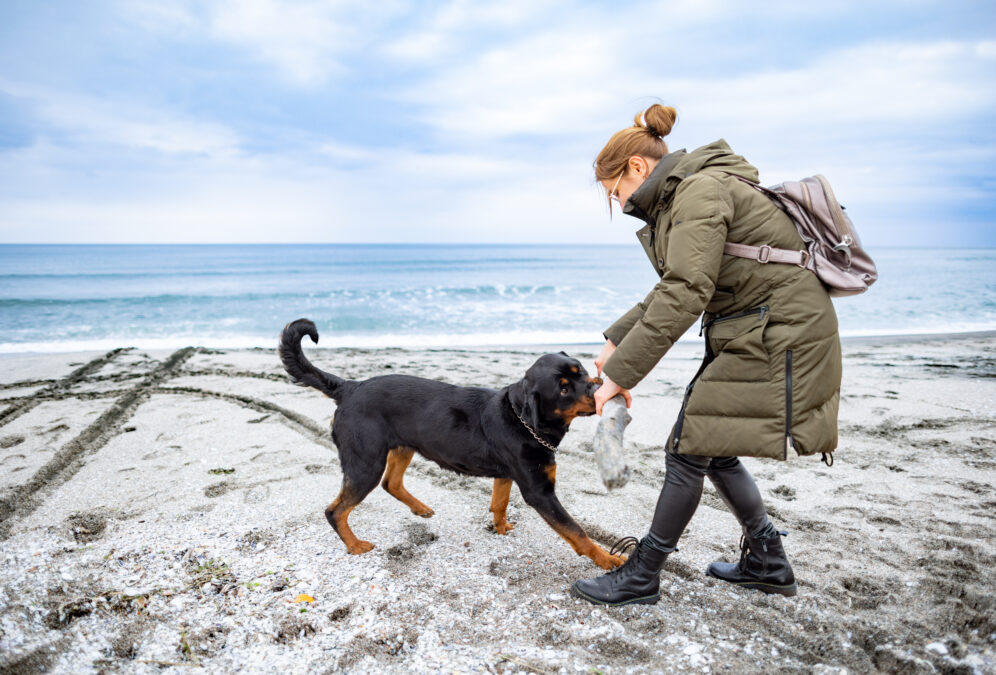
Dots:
pixel 609 443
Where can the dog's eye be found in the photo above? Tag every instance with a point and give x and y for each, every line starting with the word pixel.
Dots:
pixel 563 391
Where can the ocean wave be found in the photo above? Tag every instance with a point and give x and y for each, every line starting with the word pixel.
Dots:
pixel 403 293
pixel 497 340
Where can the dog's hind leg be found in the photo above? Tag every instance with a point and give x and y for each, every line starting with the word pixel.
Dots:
pixel 397 461
pixel 499 503
pixel 337 513
pixel 359 478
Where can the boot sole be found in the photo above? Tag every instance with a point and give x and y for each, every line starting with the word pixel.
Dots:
pixel 645 600
pixel 787 591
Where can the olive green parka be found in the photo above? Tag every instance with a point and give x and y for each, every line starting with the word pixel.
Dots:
pixel 770 380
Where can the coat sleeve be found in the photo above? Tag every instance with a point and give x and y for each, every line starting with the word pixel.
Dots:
pixel 617 331
pixel 702 212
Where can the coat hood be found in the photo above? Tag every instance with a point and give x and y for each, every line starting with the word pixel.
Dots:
pixel 659 187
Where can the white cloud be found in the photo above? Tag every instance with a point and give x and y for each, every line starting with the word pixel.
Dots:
pixel 303 41
pixel 91 120
pixel 346 152
pixel 927 84
pixel 567 80
pixel 401 197
pixel 155 16
pixel 461 24
pixel 553 82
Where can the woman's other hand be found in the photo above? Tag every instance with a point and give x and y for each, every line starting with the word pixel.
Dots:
pixel 604 356
pixel 607 391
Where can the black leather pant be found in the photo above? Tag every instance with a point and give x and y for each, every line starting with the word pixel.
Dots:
pixel 683 489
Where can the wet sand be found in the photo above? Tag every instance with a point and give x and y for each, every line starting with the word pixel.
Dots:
pixel 163 511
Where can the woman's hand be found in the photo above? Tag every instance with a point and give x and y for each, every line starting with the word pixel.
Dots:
pixel 607 391
pixel 604 356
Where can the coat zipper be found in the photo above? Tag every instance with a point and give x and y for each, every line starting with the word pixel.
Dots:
pixel 760 311
pixel 688 392
pixel 789 443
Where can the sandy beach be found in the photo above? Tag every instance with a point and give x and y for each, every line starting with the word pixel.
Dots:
pixel 163 512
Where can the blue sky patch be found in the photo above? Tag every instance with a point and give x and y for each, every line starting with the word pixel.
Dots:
pixel 299 121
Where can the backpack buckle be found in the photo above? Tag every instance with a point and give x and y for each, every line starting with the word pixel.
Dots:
pixel 804 258
pixel 763 254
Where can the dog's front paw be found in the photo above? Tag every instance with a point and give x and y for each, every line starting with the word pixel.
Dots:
pixel 608 562
pixel 360 547
pixel 504 527
pixel 425 512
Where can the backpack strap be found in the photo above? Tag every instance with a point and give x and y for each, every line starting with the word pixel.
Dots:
pixel 765 254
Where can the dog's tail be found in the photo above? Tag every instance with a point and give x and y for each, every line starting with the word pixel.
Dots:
pixel 301 370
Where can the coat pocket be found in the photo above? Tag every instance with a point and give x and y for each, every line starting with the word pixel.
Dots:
pixel 737 343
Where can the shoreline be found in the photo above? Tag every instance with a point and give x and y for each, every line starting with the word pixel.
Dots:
pixel 690 340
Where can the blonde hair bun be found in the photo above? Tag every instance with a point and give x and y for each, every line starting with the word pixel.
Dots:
pixel 645 139
pixel 657 119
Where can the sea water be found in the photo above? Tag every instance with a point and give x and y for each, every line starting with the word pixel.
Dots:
pixel 85 297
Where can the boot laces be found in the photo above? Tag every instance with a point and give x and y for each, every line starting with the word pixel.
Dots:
pixel 744 547
pixel 623 545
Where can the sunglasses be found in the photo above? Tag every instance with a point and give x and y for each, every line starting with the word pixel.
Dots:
pixel 613 195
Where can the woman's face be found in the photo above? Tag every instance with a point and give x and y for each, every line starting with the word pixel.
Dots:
pixel 621 187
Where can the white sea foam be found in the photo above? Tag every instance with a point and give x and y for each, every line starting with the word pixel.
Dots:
pixel 689 344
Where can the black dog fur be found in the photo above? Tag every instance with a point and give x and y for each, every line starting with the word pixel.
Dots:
pixel 381 422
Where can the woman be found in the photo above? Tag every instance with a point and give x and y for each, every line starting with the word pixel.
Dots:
pixel 770 380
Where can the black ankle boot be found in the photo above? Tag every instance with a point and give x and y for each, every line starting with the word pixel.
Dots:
pixel 635 581
pixel 763 565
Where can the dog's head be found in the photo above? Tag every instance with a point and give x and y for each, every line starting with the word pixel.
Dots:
pixel 555 390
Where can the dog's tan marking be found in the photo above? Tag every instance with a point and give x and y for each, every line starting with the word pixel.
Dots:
pixel 584 405
pixel 499 503
pixel 574 369
pixel 398 460
pixel 583 545
pixel 337 513
pixel 551 472
pixel 576 537
pixel 563 381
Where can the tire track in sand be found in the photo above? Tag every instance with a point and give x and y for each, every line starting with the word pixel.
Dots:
pixel 22 499
pixel 299 423
pixel 54 390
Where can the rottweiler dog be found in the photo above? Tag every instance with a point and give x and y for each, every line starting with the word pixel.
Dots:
pixel 508 434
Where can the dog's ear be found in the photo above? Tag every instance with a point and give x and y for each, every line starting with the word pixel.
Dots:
pixel 526 402
pixel 517 396
pixel 534 404
pixel 565 354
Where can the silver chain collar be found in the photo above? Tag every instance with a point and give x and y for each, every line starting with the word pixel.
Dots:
pixel 530 430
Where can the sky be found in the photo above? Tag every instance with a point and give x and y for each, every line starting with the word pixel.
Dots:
pixel 449 122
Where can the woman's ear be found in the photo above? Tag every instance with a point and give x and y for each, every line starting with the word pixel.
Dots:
pixel 638 167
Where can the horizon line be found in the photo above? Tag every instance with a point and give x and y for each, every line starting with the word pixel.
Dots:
pixel 420 243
